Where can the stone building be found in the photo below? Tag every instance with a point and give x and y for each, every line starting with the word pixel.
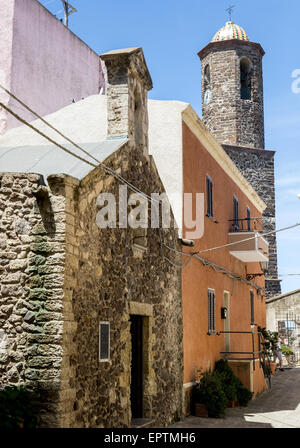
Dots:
pixel 232 109
pixel 90 317
pixel 283 316
pixel 102 320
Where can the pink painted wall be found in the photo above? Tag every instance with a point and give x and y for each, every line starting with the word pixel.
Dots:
pixel 6 31
pixel 48 65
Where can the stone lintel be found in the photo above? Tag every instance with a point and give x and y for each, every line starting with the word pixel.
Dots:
pixel 141 309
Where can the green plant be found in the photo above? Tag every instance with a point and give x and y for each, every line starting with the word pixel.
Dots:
pixel 228 379
pixel 270 341
pixel 18 408
pixel 286 350
pixel 244 395
pixel 215 389
pixel 209 391
pixel 232 386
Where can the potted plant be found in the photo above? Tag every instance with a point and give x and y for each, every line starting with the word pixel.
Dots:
pixel 199 409
pixel 228 381
pixel 209 393
pixel 244 394
pixel 236 392
pixel 287 352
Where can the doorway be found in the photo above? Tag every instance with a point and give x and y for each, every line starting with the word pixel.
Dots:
pixel 227 321
pixel 136 386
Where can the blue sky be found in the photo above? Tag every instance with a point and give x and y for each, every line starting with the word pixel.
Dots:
pixel 172 32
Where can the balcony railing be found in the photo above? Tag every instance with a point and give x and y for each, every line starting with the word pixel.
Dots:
pixel 248 246
pixel 245 225
pixel 258 352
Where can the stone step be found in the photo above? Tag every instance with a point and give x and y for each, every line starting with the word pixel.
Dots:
pixel 141 422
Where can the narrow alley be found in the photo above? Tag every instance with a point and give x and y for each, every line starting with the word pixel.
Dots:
pixel 279 407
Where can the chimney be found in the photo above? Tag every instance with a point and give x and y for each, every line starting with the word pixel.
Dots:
pixel 128 82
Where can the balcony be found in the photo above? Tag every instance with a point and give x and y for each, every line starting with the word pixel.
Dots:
pixel 249 247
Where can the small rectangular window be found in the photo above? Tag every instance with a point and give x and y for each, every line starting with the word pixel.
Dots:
pixel 211 311
pixel 209 197
pixel 252 307
pixel 104 341
pixel 248 219
pixel 235 213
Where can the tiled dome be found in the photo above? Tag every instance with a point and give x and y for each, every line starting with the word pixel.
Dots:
pixel 230 31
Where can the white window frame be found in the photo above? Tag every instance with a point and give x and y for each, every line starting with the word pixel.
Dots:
pixel 104 359
pixel 210 330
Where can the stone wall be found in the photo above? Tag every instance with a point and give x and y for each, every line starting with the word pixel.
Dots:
pixel 61 275
pixel 119 272
pixel 32 258
pixel 232 120
pixel 128 82
pixel 258 168
pixel 72 275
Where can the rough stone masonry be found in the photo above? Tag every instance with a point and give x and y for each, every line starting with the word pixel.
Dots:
pixel 61 275
pixel 238 124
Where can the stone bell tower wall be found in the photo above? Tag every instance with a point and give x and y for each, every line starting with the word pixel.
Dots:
pixel 258 168
pixel 232 120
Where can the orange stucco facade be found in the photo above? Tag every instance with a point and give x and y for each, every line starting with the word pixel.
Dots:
pixel 201 350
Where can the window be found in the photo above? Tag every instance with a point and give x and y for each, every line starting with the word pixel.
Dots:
pixel 235 213
pixel 206 77
pixel 138 116
pixel 209 197
pixel 206 85
pixel 211 311
pixel 245 68
pixel 248 219
pixel 252 307
pixel 104 341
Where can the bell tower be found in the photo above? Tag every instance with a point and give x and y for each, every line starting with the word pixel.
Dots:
pixel 232 88
pixel 233 110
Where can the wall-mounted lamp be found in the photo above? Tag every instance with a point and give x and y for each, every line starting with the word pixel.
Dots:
pixel 224 312
pixel 189 243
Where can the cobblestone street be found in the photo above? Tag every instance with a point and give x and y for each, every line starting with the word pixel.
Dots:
pixel 276 408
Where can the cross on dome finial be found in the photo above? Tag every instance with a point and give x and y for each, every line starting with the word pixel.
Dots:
pixel 229 10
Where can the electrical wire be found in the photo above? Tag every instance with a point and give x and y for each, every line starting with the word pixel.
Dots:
pixel 112 172
pixel 287 275
pixel 131 186
pixel 188 254
pixel 116 175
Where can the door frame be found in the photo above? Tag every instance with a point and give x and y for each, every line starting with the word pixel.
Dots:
pixel 226 295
